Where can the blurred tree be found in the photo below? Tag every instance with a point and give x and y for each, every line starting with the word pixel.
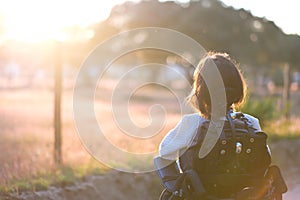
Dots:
pixel 252 40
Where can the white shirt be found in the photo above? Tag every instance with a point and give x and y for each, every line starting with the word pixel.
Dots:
pixel 180 137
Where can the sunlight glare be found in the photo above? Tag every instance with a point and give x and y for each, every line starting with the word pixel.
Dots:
pixel 35 20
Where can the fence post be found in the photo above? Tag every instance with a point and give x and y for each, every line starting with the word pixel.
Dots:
pixel 286 90
pixel 57 105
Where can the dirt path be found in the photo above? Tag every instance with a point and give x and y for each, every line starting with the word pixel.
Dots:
pixel 111 186
pixel 293 193
pixel 122 186
pixel 286 154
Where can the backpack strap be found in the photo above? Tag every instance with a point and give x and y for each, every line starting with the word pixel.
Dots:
pixel 193 187
pixel 232 126
pixel 168 172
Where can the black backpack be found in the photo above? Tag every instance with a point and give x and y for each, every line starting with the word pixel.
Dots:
pixel 238 160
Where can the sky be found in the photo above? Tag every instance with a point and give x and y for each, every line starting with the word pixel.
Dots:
pixel 35 20
pixel 285 13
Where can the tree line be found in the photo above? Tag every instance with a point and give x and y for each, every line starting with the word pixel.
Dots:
pixel 252 40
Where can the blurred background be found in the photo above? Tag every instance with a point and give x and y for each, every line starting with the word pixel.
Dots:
pixel 44 43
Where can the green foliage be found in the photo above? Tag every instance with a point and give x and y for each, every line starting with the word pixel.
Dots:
pixel 272 119
pixel 264 109
pixel 286 108
pixel 277 76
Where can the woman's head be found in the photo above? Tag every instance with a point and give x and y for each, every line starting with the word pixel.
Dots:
pixel 234 83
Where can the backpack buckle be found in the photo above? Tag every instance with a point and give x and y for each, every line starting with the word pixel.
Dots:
pixel 238 147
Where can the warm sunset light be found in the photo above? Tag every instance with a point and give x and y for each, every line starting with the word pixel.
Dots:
pixel 100 96
pixel 33 20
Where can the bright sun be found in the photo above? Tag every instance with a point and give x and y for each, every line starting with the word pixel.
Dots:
pixel 37 20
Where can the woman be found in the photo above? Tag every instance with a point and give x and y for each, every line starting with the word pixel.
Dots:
pixel 236 166
pixel 178 139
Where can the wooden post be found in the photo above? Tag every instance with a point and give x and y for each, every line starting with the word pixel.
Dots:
pixel 57 105
pixel 286 90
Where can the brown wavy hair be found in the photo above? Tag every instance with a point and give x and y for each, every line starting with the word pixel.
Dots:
pixel 234 83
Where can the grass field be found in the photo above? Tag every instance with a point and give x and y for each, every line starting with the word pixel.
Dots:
pixel 26 132
pixel 26 135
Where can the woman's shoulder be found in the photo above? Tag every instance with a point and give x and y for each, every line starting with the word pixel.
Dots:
pixel 180 136
pixel 250 117
pixel 253 120
pixel 193 117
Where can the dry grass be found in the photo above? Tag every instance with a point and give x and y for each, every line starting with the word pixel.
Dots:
pixel 26 134
pixel 26 127
pixel 26 131
pixel 283 128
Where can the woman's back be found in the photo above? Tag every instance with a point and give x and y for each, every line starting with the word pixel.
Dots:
pixel 218 89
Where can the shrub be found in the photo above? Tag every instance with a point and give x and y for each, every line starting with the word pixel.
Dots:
pixel 264 109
